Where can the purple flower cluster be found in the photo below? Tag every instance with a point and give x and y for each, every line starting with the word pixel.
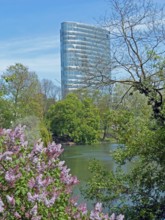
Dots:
pixel 12 175
pixel 97 214
pixel 1 205
pixel 34 183
pixel 6 155
pixel 67 178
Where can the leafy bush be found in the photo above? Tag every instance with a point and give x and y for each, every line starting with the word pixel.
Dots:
pixel 79 120
pixel 35 184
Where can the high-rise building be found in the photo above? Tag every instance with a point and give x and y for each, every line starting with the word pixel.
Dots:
pixel 85 51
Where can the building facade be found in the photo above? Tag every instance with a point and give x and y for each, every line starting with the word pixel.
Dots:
pixel 85 52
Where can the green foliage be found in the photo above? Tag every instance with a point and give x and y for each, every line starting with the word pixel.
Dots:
pixel 138 192
pixel 31 189
pixel 105 186
pixel 103 102
pixel 35 184
pixel 45 133
pixel 22 88
pixel 79 120
pixel 6 114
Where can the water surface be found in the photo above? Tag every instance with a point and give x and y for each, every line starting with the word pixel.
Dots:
pixel 77 158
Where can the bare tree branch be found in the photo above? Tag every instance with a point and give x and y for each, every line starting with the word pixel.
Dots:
pixel 137 35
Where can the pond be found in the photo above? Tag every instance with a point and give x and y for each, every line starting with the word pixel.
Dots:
pixel 77 158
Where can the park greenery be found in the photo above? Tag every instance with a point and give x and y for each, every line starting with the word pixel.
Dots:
pixel 137 123
pixel 87 117
pixel 78 119
pixel 35 184
pixel 25 100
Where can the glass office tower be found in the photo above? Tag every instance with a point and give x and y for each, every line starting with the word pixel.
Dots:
pixel 85 51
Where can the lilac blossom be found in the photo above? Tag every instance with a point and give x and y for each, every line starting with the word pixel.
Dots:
pixel 36 218
pixel 31 183
pixel 12 176
pixel 34 210
pixel 17 215
pixel 95 215
pixel 13 135
pixel 18 133
pixel 60 164
pixel 43 182
pixel 27 215
pixel 50 202
pixel 41 166
pixel 112 217
pixel 120 217
pixel 73 201
pixel 42 197
pixel 54 150
pixel 10 200
pixel 39 180
pixel 1 205
pixel 34 158
pixel 33 198
pixel 98 207
pixel 38 147
pixel 83 209
pixel 6 155
pixel 68 178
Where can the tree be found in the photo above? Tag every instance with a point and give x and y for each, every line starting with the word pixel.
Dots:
pixel 51 93
pixel 137 51
pixel 6 113
pixel 102 101
pixel 78 120
pixel 49 89
pixel 139 191
pixel 23 90
pixel 137 33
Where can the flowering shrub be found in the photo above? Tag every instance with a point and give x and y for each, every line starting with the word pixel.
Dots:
pixel 35 184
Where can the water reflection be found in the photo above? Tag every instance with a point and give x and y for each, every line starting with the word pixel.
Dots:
pixel 77 158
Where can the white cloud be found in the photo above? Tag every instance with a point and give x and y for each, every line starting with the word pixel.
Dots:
pixel 22 46
pixel 40 54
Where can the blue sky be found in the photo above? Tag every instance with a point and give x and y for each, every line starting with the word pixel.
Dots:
pixel 30 31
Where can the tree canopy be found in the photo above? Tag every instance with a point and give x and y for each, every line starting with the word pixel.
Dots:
pixel 137 35
pixel 75 119
pixel 23 89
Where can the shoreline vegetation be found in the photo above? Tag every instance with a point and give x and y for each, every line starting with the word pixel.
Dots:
pixel 130 107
